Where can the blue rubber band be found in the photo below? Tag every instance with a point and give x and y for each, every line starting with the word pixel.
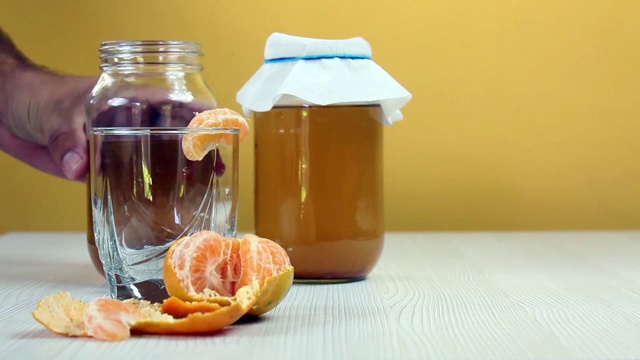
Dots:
pixel 318 57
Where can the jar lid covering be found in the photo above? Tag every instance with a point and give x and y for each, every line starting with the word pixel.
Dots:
pixel 299 70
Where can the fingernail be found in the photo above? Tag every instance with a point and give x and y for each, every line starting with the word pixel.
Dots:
pixel 70 163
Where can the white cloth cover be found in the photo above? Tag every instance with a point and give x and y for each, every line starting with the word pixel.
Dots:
pixel 300 70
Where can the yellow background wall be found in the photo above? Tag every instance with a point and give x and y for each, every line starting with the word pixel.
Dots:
pixel 526 114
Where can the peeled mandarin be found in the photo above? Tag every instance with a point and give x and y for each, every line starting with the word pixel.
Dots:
pixel 206 266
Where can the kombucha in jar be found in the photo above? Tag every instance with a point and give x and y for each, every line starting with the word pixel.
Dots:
pixel 318 188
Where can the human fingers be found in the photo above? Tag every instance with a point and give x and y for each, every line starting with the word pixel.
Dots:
pixel 34 155
pixel 68 148
pixel 64 124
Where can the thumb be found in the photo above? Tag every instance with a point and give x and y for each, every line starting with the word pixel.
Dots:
pixel 69 148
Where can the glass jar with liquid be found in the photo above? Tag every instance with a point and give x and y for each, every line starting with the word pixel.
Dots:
pixel 146 84
pixel 319 108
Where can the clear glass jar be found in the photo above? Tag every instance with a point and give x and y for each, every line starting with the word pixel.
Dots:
pixel 145 84
pixel 319 188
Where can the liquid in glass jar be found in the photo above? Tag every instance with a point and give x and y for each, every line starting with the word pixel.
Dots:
pixel 123 177
pixel 319 188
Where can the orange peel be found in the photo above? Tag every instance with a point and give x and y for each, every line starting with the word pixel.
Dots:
pixel 62 314
pixel 114 320
pixel 200 322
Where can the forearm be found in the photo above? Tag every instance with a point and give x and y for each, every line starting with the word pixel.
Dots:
pixel 11 58
pixel 18 77
pixel 12 61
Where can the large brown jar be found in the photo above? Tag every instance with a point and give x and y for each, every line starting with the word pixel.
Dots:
pixel 319 108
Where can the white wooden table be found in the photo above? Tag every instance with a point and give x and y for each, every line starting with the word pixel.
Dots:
pixel 518 295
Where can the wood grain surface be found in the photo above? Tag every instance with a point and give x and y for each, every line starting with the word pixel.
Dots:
pixel 511 295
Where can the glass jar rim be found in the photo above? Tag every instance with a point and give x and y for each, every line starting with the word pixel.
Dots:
pixel 130 55
pixel 108 48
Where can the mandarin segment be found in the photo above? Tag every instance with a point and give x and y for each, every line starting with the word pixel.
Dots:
pixel 267 262
pixel 261 259
pixel 111 319
pixel 221 118
pixel 196 145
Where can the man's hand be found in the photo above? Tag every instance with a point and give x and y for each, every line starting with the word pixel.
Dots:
pixel 42 115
